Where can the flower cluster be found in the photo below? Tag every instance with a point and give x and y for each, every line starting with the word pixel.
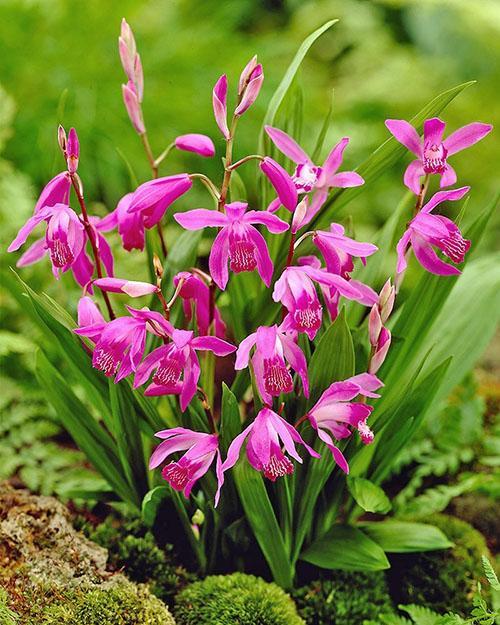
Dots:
pixel 145 344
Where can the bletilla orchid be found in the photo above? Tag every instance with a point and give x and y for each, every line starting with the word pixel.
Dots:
pixel 175 365
pixel 426 231
pixel 334 414
pixel 432 151
pixel 195 295
pixel 338 250
pixel 310 177
pixel 194 142
pixel 130 225
pixel 201 449
pixel 296 291
pixel 273 349
pixel 265 437
pixel 152 198
pixel 56 191
pixel 238 242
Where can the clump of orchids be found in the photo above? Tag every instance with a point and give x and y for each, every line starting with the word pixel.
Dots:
pixel 145 344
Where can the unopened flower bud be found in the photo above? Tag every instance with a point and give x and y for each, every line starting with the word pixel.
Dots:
pixel 386 300
pixel 251 91
pixel 374 325
pixel 133 107
pixel 61 139
pixel 198 517
pixel 299 215
pixel 158 267
pixel 72 151
pixel 246 73
pixel 79 184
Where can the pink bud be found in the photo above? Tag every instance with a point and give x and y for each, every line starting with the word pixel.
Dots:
pixel 252 90
pixel 281 182
pixel 72 151
pixel 384 342
pixel 246 73
pixel 200 144
pixel 219 102
pixel 386 300
pixel 61 139
pixel 299 215
pixel 129 287
pixel 139 77
pixel 374 325
pixel 133 107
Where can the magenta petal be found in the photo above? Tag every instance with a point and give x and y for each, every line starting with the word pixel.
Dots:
pixel 428 258
pixel 132 288
pixel 401 248
pixel 26 230
pixel 219 102
pixel 192 373
pixel 234 450
pixel 281 181
pixel 56 191
pixel 265 265
pixel 405 134
pixel 83 270
pixel 218 346
pixel 200 218
pixel 218 259
pixel 297 360
pixel 444 196
pixel 273 223
pixel 412 176
pixel 466 136
pixel 193 142
pixel 288 146
pixel 131 101
pixel 34 253
pixel 448 177
pixel 88 312
pixel 433 131
pixel 333 161
pixel 346 179
pixel 251 91
pixel 243 353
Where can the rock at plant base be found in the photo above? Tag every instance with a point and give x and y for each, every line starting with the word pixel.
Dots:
pixel 53 575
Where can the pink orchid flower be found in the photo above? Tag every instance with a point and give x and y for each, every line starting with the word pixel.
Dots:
pixel 152 198
pixel 201 449
pixel 432 151
pixel 56 191
pixel 334 414
pixel 273 349
pixel 130 225
pixel 64 238
pixel 426 231
pixel 195 295
pixel 193 142
pixel 177 360
pixel 296 291
pixel 310 177
pixel 219 102
pixel 265 437
pixel 238 242
pixel 133 288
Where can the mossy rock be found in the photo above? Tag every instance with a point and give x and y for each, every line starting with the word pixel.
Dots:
pixel 482 512
pixel 344 598
pixel 443 580
pixel 235 599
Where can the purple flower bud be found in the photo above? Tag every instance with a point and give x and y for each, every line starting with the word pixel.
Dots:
pixel 281 182
pixel 251 91
pixel 133 107
pixel 61 139
pixel 246 73
pixel 72 151
pixel 129 287
pixel 219 102
pixel 200 144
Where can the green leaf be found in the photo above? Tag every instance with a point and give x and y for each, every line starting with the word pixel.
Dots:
pixel 260 515
pixel 333 358
pixel 230 422
pixel 421 615
pixel 368 496
pixel 151 503
pixel 347 548
pixel 384 157
pixel 405 537
pixel 490 574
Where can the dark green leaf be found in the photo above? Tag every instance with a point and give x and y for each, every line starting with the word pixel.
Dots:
pixel 230 423
pixel 151 502
pixel 405 537
pixel 368 495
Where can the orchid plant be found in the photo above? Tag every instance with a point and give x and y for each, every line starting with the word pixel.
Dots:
pixel 255 379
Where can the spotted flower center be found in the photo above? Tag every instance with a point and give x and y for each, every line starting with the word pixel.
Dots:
pixel 106 361
pixel 61 253
pixel 306 176
pixel 176 475
pixel 168 373
pixel 308 318
pixel 365 432
pixel 278 466
pixel 455 247
pixel 242 256
pixel 434 158
pixel 277 378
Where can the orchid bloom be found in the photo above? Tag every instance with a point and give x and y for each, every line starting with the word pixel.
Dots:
pixel 130 225
pixel 296 291
pixel 152 198
pixel 237 242
pixel 425 231
pixel 56 191
pixel 193 142
pixel 64 238
pixel 334 414
pixel 177 360
pixel 201 449
pixel 266 436
pixel 273 349
pixel 432 151
pixel 310 177
pixel 194 292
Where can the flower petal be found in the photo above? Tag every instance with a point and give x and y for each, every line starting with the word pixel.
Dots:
pixel 197 143
pixel 33 254
pixel 273 223
pixel 428 258
pixel 281 181
pixel 405 134
pixel 412 176
pixel 243 353
pixel 265 265
pixel 218 259
pixel 444 196
pixel 433 130
pixel 449 177
pixel 288 146
pixel 218 346
pixel 346 179
pixel 200 218
pixel 333 162
pixel 219 102
pixel 466 136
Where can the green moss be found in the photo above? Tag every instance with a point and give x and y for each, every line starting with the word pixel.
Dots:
pixel 235 599
pixel 441 580
pixel 125 604
pixel 345 598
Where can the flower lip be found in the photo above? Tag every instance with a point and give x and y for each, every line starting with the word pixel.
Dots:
pixel 434 158
pixel 306 177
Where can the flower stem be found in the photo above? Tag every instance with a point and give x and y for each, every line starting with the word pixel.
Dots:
pixel 154 170
pixel 227 165
pixel 208 410
pixel 214 191
pixel 90 235
pixel 250 157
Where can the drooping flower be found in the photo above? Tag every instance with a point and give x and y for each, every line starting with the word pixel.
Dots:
pixel 219 102
pixel 193 142
pixel 195 295
pixel 310 177
pixel 238 242
pixel 152 198
pixel 176 366
pixel 64 238
pixel 426 231
pixel 334 414
pixel 249 85
pixel 56 191
pixel 431 150
pixel 296 291
pixel 133 288
pixel 201 449
pixel 273 350
pixel 282 183
pixel 265 437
